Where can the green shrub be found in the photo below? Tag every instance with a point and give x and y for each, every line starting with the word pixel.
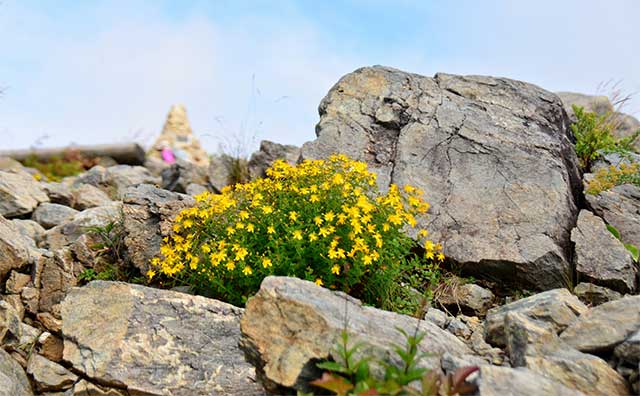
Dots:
pixel 609 177
pixel 322 221
pixel 56 168
pixel 594 134
pixel 350 376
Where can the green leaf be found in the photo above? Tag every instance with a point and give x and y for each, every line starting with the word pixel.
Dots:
pixel 614 231
pixel 633 250
pixel 333 366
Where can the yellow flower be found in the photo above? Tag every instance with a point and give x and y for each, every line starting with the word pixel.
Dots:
pixel 319 282
pixel 267 209
pixel 423 233
pixel 244 214
pixel 329 216
pixel 335 269
pixel 231 265
pixel 297 234
pixel 266 263
pixel 429 255
pixel 313 237
pixel 317 220
pixel 271 230
pixel 241 253
pixel 239 225
pixel 440 257
pixel 247 270
pixel 314 198
pixel 151 273
pixel 250 227
pixel 367 259
pixel 293 215
pixel 230 231
pixel 205 248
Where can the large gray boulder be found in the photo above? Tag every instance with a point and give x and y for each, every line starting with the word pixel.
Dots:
pixel 493 156
pixel 291 323
pixel 13 379
pixel 558 308
pixel 620 207
pixel 155 342
pixel 601 328
pixel 20 194
pixel 600 257
pixel 148 217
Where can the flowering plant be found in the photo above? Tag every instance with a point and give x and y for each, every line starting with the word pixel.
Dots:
pixel 322 220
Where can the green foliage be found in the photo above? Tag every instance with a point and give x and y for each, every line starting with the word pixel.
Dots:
pixel 351 376
pixel 633 249
pixel 56 168
pixel 594 134
pixel 111 238
pixel 324 221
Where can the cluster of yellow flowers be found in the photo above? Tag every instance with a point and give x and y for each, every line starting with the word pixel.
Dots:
pixel 607 178
pixel 321 220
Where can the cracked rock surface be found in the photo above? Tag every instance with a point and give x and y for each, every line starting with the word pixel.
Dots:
pixel 493 156
pixel 155 342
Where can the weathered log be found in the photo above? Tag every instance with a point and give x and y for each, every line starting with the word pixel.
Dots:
pixel 126 153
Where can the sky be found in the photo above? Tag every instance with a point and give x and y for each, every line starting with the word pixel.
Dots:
pixel 101 71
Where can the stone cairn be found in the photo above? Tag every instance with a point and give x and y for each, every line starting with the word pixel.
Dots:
pixel 178 136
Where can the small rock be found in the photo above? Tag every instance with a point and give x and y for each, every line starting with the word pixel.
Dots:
pixel 15 301
pixel 16 250
pixel 49 376
pixel 28 334
pixel 594 295
pixel 30 297
pixel 458 328
pixel 504 381
pixel 620 207
pixel 49 215
pixel 86 196
pixel 115 179
pixel 268 153
pixel 629 350
pixel 59 274
pixel 10 322
pixel 20 194
pixel 600 258
pixel 451 363
pixel 557 307
pixel 194 189
pixel 30 229
pixel 603 327
pixel 437 317
pixel 59 193
pixel 470 298
pixel 218 172
pixel 12 377
pixel 16 282
pixel 49 322
pixel 50 346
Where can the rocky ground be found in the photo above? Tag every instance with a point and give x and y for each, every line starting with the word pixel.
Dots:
pixel 557 311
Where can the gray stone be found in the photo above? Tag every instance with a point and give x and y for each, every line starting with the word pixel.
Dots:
pixel 437 317
pixel 268 153
pixel 155 342
pixel 12 377
pixel 557 307
pixel 469 299
pixel 30 298
pixel 16 250
pixel 504 381
pixel 458 328
pixel 49 215
pixel 49 376
pixel 148 217
pixel 292 323
pixel 20 194
pixel 592 294
pixel 614 159
pixel 451 363
pixel 59 275
pixel 30 229
pixel 194 189
pixel 629 350
pixel 115 179
pixel 600 258
pixel 59 193
pixel 64 234
pixel 620 207
pixel 535 345
pixel 601 328
pixel 493 156
pixel 86 196
pixel 10 322
pixel 182 173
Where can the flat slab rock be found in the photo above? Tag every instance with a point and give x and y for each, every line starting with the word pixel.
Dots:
pixel 290 324
pixel 601 258
pixel 493 156
pixel 505 381
pixel 13 379
pixel 155 342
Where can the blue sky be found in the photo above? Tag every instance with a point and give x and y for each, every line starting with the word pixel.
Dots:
pixel 108 71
